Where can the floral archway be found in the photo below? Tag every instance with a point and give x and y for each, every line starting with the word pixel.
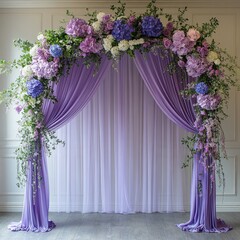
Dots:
pixel 188 77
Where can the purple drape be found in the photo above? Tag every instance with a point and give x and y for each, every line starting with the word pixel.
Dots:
pixel 73 92
pixel 165 88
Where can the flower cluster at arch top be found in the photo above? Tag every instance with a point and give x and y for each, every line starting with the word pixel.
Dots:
pixel 116 34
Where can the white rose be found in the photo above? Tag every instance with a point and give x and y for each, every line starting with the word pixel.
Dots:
pixel 100 16
pixel 123 45
pixel 115 51
pixel 33 50
pixel 96 26
pixel 217 61
pixel 27 71
pixel 107 44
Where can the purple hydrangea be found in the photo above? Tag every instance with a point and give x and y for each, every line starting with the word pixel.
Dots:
pixel 181 45
pixel 78 28
pixel 208 102
pixel 44 69
pixel 196 66
pixel 122 30
pixel 151 26
pixel 55 50
pixel 201 88
pixel 34 88
pixel 90 45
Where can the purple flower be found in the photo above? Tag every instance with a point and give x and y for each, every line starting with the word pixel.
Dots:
pixel 181 63
pixel 106 18
pixel 122 30
pixel 167 43
pixel 203 51
pixel 18 108
pixel 78 28
pixel 44 69
pixel 55 50
pixel 34 88
pixel 151 26
pixel 201 88
pixel 90 45
pixel 181 44
pixel 169 26
pixel 196 66
pixel 208 102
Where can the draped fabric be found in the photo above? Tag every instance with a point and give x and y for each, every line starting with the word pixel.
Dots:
pixel 121 153
pixel 73 92
pixel 165 89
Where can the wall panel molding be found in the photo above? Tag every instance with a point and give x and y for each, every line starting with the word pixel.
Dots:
pixel 130 3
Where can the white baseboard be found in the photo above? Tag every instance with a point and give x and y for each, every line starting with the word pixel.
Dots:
pixel 18 207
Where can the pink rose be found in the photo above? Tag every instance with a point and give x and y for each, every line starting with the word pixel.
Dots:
pixel 167 43
pixel 193 34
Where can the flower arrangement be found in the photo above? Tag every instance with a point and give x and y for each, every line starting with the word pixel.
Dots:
pixel 114 34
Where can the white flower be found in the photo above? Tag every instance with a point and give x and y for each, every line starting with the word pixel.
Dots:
pixel 33 50
pixel 217 61
pixel 212 56
pixel 136 42
pixel 115 51
pixel 40 37
pixel 96 26
pixel 100 16
pixel 27 71
pixel 110 37
pixel 107 44
pixel 123 45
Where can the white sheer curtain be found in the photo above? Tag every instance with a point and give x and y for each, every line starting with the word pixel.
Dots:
pixel 122 154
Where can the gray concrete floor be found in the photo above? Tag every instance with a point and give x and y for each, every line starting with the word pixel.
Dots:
pixel 96 226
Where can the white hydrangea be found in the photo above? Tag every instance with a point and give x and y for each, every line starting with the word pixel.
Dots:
pixel 123 45
pixel 96 26
pixel 40 37
pixel 27 71
pixel 110 37
pixel 134 42
pixel 33 50
pixel 107 44
pixel 115 51
pixel 100 16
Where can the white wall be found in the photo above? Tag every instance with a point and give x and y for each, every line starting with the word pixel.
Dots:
pixel 25 19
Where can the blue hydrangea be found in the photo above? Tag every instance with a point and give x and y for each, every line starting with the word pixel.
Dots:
pixel 201 88
pixel 55 50
pixel 151 26
pixel 122 30
pixel 34 87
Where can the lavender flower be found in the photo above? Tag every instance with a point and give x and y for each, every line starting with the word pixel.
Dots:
pixel 44 69
pixel 196 66
pixel 181 44
pixel 34 88
pixel 151 26
pixel 201 88
pixel 55 50
pixel 90 45
pixel 122 30
pixel 208 102
pixel 78 28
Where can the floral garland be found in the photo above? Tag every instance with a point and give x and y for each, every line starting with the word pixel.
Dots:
pixel 113 35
